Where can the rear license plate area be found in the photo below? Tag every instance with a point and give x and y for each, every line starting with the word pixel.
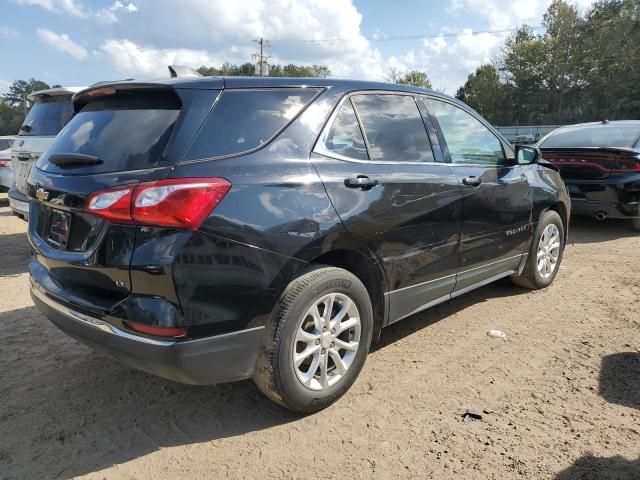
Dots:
pixel 59 226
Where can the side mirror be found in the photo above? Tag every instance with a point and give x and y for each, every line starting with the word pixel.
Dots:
pixel 527 155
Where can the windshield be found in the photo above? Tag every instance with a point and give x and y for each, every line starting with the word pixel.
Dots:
pixel 127 132
pixel 621 136
pixel 47 117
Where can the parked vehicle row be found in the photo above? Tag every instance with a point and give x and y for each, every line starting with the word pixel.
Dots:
pixel 6 174
pixel 50 111
pixel 216 229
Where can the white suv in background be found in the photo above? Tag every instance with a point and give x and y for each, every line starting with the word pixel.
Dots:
pixel 51 110
pixel 6 174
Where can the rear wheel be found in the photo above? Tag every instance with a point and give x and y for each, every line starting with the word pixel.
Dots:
pixel 545 255
pixel 317 341
pixel 636 224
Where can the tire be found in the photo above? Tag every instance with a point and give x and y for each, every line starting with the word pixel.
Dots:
pixel 636 224
pixel 276 374
pixel 531 276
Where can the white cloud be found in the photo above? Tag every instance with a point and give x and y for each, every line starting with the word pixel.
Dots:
pixel 131 59
pixel 449 60
pixel 509 14
pixel 226 28
pixel 4 86
pixel 63 43
pixel 108 15
pixel 71 7
pixel 8 32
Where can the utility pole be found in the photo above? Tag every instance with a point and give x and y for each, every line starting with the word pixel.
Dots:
pixel 262 67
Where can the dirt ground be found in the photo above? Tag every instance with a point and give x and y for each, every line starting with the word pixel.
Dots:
pixel 559 397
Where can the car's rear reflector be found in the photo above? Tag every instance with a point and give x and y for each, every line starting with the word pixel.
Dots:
pixel 157 331
pixel 178 203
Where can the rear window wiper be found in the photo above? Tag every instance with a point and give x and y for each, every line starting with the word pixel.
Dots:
pixel 66 160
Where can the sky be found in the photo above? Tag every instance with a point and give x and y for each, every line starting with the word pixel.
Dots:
pixel 79 42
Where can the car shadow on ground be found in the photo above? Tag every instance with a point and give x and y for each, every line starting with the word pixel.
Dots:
pixel 590 467
pixel 590 230
pixel 619 383
pixel 63 401
pixel 15 254
pixel 69 402
pixel 407 326
pixel 620 379
pixel 4 201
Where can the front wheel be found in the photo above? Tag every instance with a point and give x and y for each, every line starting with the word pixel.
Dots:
pixel 636 224
pixel 545 255
pixel 317 341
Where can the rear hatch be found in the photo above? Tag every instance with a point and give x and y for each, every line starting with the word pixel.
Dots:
pixel 48 115
pixel 121 135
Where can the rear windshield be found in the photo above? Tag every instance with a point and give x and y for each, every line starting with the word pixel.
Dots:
pixel 5 143
pixel 244 120
pixel 47 117
pixel 622 136
pixel 126 132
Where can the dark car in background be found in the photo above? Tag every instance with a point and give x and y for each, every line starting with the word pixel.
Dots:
pixel 600 164
pixel 217 229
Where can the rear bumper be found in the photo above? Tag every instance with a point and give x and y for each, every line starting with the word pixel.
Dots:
pixel 591 208
pixel 19 203
pixel 222 358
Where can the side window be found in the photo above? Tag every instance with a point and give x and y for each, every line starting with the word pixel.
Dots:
pixel 243 120
pixel 345 137
pixel 393 127
pixel 468 140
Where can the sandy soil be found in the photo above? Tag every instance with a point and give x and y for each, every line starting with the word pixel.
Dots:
pixel 559 398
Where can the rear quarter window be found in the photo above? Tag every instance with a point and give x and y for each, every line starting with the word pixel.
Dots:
pixel 47 117
pixel 244 120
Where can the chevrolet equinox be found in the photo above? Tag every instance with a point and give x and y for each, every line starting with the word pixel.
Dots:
pixel 208 230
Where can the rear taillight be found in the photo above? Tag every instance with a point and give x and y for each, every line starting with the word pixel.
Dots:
pixel 180 203
pixel 5 163
pixel 157 331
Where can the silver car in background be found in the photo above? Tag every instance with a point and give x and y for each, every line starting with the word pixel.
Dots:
pixel 51 110
pixel 6 173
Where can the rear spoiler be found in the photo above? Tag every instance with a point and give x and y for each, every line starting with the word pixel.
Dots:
pixel 632 152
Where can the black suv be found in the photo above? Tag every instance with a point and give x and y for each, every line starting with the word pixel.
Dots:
pixel 216 229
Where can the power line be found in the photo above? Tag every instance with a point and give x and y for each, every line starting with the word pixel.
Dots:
pixel 388 38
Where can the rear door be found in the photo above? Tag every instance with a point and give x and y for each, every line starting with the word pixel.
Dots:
pixel 385 181
pixel 497 203
pixel 117 138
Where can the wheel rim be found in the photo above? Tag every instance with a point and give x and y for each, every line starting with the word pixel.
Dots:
pixel 326 342
pixel 548 251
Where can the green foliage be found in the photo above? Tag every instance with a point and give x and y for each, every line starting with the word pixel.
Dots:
pixel 582 68
pixel 12 104
pixel 413 77
pixel 19 89
pixel 248 69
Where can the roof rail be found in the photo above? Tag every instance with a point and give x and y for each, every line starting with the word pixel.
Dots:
pixel 180 71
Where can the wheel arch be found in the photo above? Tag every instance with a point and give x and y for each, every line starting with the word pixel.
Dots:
pixel 368 271
pixel 561 210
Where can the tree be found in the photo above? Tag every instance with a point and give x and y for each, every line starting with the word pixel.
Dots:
pixel 413 77
pixel 248 69
pixel 19 90
pixel 11 118
pixel 484 92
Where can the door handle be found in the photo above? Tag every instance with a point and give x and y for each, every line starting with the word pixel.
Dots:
pixel 472 181
pixel 361 181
